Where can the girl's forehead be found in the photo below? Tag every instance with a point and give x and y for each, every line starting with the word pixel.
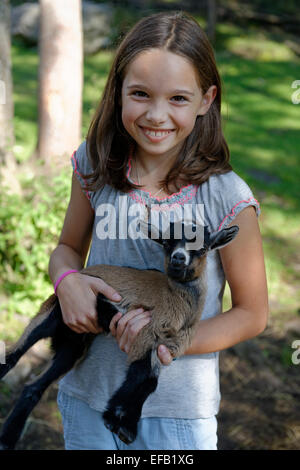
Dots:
pixel 159 67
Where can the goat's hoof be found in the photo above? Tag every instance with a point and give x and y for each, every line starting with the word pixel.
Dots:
pixel 111 427
pixel 111 421
pixel 125 435
pixel 114 422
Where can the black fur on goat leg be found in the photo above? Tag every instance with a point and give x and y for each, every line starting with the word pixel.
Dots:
pixel 175 298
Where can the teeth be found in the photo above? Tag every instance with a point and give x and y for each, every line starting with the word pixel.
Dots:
pixel 157 134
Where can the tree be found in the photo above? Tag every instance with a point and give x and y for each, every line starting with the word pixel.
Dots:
pixel 60 78
pixel 6 100
pixel 211 19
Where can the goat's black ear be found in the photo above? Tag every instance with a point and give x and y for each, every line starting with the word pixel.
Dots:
pixel 223 237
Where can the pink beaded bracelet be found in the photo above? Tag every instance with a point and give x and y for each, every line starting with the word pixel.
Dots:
pixel 62 276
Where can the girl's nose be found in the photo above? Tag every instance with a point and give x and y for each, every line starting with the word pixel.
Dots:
pixel 157 114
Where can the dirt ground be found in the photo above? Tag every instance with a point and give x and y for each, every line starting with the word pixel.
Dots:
pixel 260 407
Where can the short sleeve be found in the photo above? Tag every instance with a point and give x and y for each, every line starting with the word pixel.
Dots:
pixel 82 167
pixel 224 197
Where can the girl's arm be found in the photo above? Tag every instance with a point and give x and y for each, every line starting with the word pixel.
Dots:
pixel 76 292
pixel 75 237
pixel 244 268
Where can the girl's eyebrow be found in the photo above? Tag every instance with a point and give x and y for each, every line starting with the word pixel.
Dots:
pixel 184 92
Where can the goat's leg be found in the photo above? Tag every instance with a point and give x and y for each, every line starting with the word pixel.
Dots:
pixel 61 363
pixel 41 326
pixel 105 311
pixel 125 407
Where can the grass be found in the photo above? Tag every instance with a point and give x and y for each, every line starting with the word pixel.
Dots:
pixel 25 95
pixel 261 125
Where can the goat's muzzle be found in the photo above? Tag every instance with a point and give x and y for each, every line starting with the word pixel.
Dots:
pixel 177 270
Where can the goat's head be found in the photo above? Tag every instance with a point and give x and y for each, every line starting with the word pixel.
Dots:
pixel 186 247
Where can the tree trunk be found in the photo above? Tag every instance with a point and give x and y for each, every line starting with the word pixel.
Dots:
pixel 211 19
pixel 6 100
pixel 60 78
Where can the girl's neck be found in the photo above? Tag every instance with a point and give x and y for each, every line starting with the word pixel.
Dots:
pixel 153 167
pixel 151 171
pixel 150 181
pixel 147 170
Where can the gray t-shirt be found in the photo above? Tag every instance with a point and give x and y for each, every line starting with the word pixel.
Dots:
pixel 188 387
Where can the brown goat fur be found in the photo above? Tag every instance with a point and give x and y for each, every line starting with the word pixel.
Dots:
pixel 171 321
pixel 175 299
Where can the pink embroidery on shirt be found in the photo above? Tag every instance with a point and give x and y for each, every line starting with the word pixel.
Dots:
pixel 165 206
pixel 179 193
pixel 233 210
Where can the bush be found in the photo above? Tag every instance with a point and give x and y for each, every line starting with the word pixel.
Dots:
pixel 30 226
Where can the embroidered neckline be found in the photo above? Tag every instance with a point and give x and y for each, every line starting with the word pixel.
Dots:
pixel 186 192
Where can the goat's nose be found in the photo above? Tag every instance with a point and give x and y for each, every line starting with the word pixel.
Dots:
pixel 178 258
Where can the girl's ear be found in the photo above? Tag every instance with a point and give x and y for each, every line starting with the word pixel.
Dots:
pixel 207 100
pixel 222 238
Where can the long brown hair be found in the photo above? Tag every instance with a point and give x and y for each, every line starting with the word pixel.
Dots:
pixel 204 152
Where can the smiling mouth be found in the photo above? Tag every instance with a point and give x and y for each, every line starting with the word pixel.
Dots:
pixel 156 134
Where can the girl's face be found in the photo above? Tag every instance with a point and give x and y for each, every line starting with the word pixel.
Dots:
pixel 161 99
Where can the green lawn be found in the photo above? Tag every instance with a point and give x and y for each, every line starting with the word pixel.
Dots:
pixel 261 125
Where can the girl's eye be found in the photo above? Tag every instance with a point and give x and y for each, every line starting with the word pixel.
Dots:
pixel 140 94
pixel 143 94
pixel 180 99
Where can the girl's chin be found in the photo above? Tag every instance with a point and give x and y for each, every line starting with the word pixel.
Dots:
pixel 155 151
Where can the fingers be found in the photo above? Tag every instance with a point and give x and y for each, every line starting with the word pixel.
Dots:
pixel 114 323
pixel 86 323
pixel 126 327
pixel 78 302
pixel 164 355
pixel 98 285
pixel 128 320
pixel 90 325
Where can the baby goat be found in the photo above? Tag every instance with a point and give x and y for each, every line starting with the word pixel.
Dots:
pixel 176 299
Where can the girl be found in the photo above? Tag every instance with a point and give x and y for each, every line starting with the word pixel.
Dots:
pixel 156 140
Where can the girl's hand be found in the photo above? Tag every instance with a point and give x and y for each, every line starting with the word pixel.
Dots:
pixel 164 355
pixel 77 295
pixel 126 327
